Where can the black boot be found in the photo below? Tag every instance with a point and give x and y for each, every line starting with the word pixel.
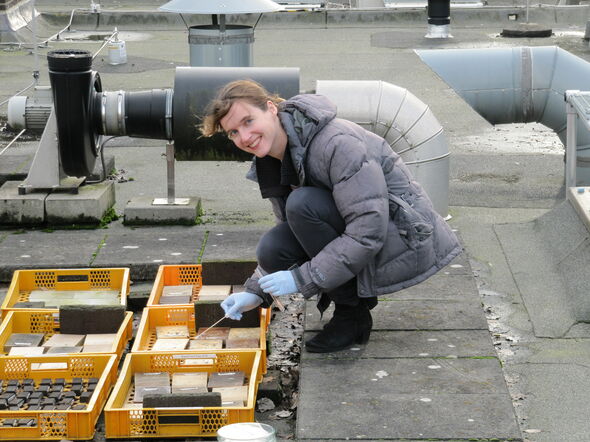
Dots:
pixel 348 326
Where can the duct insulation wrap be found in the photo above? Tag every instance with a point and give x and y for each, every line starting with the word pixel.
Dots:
pixel 405 122
pixel 518 85
pixel 195 87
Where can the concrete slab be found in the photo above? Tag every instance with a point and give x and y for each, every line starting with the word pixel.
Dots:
pixel 408 398
pixel 89 205
pixel 548 258
pixel 58 249
pixel 506 180
pixel 141 210
pixel 143 250
pixel 419 344
pixel 226 244
pixel 21 209
pixel 413 315
pixel 547 419
pixel 439 287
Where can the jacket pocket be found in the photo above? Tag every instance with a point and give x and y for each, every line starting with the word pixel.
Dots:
pixel 415 230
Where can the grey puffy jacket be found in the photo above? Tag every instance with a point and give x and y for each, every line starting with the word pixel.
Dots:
pixel 393 237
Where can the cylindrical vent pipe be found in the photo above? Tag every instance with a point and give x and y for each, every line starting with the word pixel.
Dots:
pixel 439 18
pixel 439 12
pixel 518 85
pixel 405 122
pixel 142 114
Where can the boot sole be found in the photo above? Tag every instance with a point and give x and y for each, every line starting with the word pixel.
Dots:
pixel 363 338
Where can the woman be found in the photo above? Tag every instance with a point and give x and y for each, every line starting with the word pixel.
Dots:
pixel 352 222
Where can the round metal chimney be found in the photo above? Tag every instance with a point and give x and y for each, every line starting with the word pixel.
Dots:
pixel 220 44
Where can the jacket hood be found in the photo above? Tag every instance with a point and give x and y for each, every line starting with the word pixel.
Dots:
pixel 302 117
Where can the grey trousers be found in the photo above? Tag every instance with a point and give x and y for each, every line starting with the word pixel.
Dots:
pixel 313 221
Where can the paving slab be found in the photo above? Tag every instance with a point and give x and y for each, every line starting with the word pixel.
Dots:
pixel 231 244
pixel 404 398
pixel 552 419
pixel 438 287
pixel 541 285
pixel 57 249
pixel 144 250
pixel 413 315
pixel 419 344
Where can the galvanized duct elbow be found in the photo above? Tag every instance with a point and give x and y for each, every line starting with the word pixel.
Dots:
pixel 518 85
pixel 405 122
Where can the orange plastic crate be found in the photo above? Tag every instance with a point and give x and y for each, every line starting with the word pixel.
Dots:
pixel 153 317
pixel 25 281
pixel 122 422
pixel 189 274
pixel 38 321
pixel 58 424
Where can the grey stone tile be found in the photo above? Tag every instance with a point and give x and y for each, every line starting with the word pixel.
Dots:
pixel 413 315
pixel 414 344
pixel 404 398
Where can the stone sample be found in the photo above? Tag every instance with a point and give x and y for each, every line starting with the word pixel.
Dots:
pixel 232 394
pixel 205 344
pixel 80 319
pixel 214 292
pixel 205 399
pixel 208 313
pixel 170 344
pixel 172 331
pixel 150 383
pixel 64 340
pixel 226 379
pixel 186 382
pixel 23 340
pixel 26 351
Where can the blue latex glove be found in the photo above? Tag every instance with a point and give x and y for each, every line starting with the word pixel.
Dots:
pixel 237 303
pixel 278 283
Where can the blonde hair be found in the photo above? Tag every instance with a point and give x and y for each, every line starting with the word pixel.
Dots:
pixel 247 90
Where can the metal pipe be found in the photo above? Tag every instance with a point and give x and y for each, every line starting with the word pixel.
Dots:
pixel 170 171
pixel 518 85
pixel 405 122
pixel 570 151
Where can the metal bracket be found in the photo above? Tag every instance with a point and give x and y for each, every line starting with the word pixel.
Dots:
pixel 171 200
pixel 46 172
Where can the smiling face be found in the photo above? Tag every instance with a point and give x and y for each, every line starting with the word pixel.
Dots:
pixel 254 130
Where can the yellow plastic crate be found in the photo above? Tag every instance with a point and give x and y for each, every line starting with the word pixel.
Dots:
pixel 25 281
pixel 58 424
pixel 124 422
pixel 189 274
pixel 39 321
pixel 153 317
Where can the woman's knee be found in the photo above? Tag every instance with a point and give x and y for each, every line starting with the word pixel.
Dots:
pixel 267 250
pixel 301 200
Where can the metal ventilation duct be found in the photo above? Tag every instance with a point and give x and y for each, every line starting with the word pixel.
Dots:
pixel 220 6
pixel 518 85
pixel 405 122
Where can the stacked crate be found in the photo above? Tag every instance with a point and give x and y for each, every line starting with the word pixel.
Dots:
pixel 58 396
pixel 183 385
